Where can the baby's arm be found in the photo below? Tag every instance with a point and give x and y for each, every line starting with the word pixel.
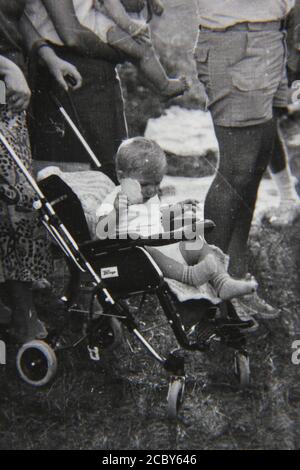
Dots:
pixel 118 14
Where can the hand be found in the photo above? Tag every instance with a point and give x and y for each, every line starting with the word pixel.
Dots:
pixel 18 93
pixel 64 73
pixel 121 203
pixel 140 32
pixel 157 7
pixel 178 208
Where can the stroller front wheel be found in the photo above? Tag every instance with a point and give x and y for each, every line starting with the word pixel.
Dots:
pixel 175 396
pixel 242 369
pixel 36 363
pixel 115 333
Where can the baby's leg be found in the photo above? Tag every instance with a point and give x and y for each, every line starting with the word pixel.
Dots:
pixel 226 287
pixel 148 62
pixel 191 275
pixel 194 251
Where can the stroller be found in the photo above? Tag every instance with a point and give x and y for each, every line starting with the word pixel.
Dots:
pixel 118 270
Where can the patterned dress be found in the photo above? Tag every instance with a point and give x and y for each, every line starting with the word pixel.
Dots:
pixel 24 250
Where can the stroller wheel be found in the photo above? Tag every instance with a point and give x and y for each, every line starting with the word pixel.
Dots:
pixel 108 334
pixel 116 333
pixel 242 369
pixel 175 396
pixel 36 363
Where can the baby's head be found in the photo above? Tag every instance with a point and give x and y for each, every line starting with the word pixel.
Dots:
pixel 142 160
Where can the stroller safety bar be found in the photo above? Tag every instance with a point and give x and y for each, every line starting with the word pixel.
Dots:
pixel 187 233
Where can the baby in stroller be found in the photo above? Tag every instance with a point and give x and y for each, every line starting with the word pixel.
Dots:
pixel 133 209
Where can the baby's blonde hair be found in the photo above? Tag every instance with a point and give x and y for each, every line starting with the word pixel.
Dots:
pixel 140 154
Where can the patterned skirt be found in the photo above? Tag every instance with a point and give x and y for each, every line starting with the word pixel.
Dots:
pixel 24 248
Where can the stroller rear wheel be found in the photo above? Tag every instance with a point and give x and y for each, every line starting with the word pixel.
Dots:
pixel 36 363
pixel 175 396
pixel 113 334
pixel 242 369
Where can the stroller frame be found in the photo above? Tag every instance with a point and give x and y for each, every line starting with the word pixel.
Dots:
pixel 79 257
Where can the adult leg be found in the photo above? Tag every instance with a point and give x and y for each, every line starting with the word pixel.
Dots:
pixel 5 312
pixel 252 305
pixel 243 160
pixel 289 205
pixel 26 325
pixel 239 240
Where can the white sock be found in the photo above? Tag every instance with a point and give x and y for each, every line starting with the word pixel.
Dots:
pixel 285 183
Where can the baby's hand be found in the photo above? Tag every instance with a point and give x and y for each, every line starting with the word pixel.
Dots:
pixel 132 189
pixel 190 204
pixel 121 203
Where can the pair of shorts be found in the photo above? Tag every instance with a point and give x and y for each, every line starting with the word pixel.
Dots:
pixel 244 74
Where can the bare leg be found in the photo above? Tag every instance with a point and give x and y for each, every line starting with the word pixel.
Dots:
pixel 147 60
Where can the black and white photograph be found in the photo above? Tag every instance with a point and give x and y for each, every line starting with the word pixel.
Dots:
pixel 149 227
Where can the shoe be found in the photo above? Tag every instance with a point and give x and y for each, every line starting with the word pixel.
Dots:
pixel 254 305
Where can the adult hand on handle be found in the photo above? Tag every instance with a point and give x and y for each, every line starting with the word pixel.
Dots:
pixel 64 73
pixel 17 90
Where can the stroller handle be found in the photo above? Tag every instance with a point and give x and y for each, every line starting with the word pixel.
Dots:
pixel 75 130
